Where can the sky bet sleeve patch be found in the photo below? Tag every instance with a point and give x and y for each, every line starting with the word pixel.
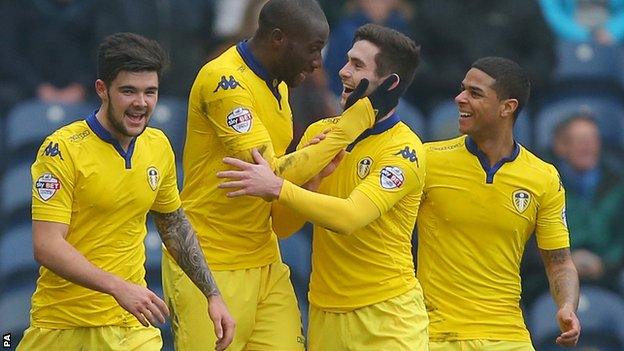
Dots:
pixel 240 120
pixel 47 185
pixel 391 177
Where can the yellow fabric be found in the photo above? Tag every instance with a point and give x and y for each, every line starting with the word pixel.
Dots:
pixel 472 236
pixel 397 324
pixel 261 300
pixel 109 338
pixel 105 205
pixel 481 345
pixel 374 263
pixel 339 215
pixel 229 119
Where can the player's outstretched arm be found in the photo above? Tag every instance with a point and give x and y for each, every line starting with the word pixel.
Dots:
pixel 181 241
pixel 52 251
pixel 339 215
pixel 564 288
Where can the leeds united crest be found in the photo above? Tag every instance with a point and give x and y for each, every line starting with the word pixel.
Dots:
pixel 152 177
pixel 521 200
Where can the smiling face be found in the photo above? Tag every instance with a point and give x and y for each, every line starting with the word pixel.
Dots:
pixel 128 103
pixel 360 64
pixel 478 103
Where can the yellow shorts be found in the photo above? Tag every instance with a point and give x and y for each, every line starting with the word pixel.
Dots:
pixel 261 300
pixel 110 338
pixel 481 345
pixel 399 323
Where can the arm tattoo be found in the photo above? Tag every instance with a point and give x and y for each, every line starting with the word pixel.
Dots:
pixel 562 276
pixel 179 237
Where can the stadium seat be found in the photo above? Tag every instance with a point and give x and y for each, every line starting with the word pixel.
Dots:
pixel 16 193
pixel 16 251
pixel 608 111
pixel 600 312
pixel 170 117
pixel 411 116
pixel 586 61
pixel 32 120
pixel 443 123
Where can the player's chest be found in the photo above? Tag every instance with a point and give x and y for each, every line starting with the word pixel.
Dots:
pixel 277 119
pixel 465 198
pixel 108 182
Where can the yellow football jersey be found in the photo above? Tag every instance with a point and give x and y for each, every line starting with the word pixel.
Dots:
pixel 373 264
pixel 473 224
pixel 83 178
pixel 233 107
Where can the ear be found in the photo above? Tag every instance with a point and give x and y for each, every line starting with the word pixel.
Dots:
pixel 101 89
pixel 278 38
pixel 509 107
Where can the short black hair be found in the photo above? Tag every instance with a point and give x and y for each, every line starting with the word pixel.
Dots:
pixel 129 52
pixel 397 53
pixel 291 16
pixel 512 81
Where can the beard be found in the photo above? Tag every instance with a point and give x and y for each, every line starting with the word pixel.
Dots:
pixel 118 124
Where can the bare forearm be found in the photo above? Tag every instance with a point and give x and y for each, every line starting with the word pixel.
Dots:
pixel 181 242
pixel 57 255
pixel 562 277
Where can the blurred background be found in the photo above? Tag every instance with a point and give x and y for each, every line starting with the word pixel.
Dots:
pixel 572 50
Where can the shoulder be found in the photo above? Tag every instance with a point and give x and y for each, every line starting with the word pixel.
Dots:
pixel 224 75
pixel 538 166
pixel 156 138
pixel 445 146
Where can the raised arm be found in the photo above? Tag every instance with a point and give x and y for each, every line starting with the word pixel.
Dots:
pixel 564 288
pixel 181 241
pixel 53 252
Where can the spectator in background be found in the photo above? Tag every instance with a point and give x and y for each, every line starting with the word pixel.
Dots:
pixel 595 199
pixel 454 33
pixel 383 12
pixel 600 21
pixel 47 49
pixel 182 27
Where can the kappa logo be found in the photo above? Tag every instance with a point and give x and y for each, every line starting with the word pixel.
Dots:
pixel 240 120
pixel 364 167
pixel 391 177
pixel 226 84
pixel 152 177
pixel 47 185
pixel 409 154
pixel 521 200
pixel 53 150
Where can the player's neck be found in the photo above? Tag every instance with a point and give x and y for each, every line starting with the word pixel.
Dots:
pixel 495 146
pixel 123 140
pixel 261 54
pixel 386 116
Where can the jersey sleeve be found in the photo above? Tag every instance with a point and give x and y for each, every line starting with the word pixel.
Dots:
pixel 397 173
pixel 53 181
pixel 231 112
pixel 168 198
pixel 551 227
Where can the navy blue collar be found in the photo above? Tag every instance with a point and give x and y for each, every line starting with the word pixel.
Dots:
pixel 378 128
pixel 255 65
pixel 104 134
pixel 490 172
